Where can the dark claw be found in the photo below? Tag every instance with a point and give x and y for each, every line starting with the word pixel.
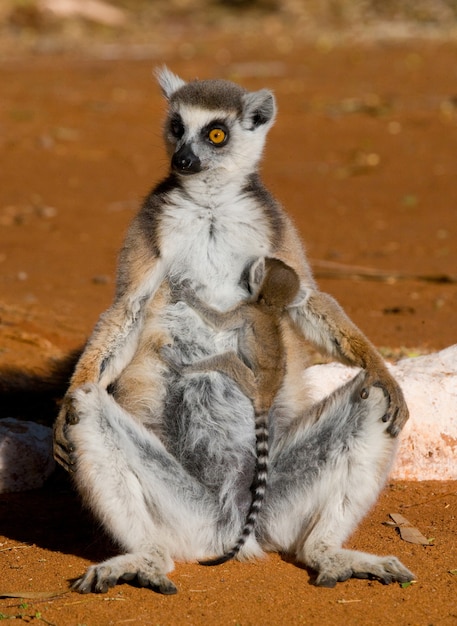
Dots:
pixel 329 583
pixel 345 576
pixel 64 455
pixel 362 575
pixel 168 588
pixel 393 430
pixel 102 587
pixel 67 462
pixel 165 586
pixel 78 586
pixel 386 580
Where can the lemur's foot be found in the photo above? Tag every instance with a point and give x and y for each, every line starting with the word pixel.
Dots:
pixel 149 570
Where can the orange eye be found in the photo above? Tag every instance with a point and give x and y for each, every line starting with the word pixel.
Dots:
pixel 217 136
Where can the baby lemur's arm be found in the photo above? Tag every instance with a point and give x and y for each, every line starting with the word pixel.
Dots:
pixel 235 317
pixel 227 363
pixel 258 368
pixel 228 320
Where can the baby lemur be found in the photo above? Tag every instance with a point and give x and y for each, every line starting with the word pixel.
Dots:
pixel 167 466
pixel 259 365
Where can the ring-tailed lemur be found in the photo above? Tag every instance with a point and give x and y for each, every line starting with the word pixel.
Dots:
pixel 167 468
pixel 259 365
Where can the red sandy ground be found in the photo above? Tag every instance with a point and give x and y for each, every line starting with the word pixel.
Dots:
pixel 363 156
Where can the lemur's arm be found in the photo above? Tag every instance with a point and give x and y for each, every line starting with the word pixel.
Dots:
pixel 324 323
pixel 115 336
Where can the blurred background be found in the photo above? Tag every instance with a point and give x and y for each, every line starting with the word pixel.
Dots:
pixel 68 24
pixel 362 156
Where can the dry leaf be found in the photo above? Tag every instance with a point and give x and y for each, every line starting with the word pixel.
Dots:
pixel 408 532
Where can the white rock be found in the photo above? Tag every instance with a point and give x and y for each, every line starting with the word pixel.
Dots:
pixel 25 455
pixel 428 442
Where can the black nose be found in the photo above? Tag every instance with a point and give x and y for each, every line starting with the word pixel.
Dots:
pixel 185 161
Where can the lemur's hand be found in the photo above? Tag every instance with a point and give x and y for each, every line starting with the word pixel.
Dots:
pixel 64 451
pixel 397 413
pixel 323 320
pixel 181 291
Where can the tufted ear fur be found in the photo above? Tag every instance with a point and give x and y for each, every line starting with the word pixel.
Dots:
pixel 257 275
pixel 259 108
pixel 253 275
pixel 169 82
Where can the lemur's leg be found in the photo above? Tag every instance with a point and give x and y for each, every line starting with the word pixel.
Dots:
pixel 324 478
pixel 227 363
pixel 151 506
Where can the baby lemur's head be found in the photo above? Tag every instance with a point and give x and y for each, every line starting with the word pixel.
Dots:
pixel 214 124
pixel 271 282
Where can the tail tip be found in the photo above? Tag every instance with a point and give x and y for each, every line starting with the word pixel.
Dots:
pixel 218 560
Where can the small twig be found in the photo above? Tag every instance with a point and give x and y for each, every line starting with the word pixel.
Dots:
pixel 331 269
pixel 347 601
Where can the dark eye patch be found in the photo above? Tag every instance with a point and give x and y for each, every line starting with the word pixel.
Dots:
pixel 176 127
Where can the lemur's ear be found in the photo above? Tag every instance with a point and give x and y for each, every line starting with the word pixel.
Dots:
pixel 259 108
pixel 252 275
pixel 256 275
pixel 169 82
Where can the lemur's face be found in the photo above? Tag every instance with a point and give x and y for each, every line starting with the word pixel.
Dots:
pixel 200 140
pixel 214 124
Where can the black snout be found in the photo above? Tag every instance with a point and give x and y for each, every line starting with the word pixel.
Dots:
pixel 185 161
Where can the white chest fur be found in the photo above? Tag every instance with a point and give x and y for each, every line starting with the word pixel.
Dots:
pixel 210 241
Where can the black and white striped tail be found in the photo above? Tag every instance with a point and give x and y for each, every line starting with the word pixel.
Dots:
pixel 258 490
